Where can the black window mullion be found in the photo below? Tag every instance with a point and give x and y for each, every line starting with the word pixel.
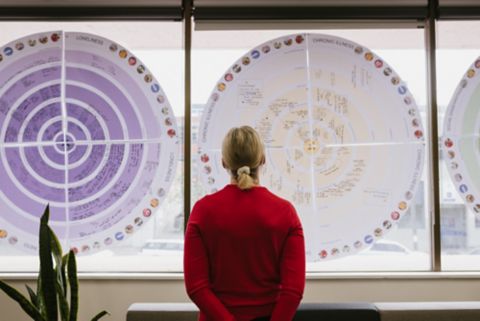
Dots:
pixel 309 13
pixel 82 13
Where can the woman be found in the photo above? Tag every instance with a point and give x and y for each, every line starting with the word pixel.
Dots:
pixel 244 248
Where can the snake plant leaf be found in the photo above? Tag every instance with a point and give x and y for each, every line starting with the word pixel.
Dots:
pixel 40 299
pixel 100 315
pixel 62 300
pixel 61 287
pixel 33 296
pixel 47 273
pixel 63 273
pixel 73 282
pixel 56 248
pixel 60 284
pixel 26 305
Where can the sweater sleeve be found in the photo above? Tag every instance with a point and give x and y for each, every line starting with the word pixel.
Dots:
pixel 196 271
pixel 292 273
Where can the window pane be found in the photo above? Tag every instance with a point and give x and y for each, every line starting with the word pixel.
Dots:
pixel 115 144
pixel 406 245
pixel 457 118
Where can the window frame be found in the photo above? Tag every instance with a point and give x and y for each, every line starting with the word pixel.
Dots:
pixel 372 16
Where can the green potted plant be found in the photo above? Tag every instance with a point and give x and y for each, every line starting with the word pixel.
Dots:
pixel 57 283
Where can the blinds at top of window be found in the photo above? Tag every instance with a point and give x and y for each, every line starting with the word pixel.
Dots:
pixel 310 9
pixel 459 3
pixel 310 3
pixel 96 3
pixel 91 9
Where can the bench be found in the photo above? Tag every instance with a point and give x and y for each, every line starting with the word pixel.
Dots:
pixel 429 311
pixel 306 312
pixel 382 311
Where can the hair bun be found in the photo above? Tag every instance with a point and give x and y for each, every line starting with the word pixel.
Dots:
pixel 243 170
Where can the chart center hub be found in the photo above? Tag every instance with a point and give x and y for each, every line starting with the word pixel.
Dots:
pixel 311 146
pixel 64 143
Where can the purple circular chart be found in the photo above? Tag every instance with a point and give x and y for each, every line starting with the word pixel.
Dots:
pixel 343 136
pixel 85 127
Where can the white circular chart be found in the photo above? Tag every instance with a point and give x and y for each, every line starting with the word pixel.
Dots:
pixel 343 135
pixel 85 127
pixel 461 137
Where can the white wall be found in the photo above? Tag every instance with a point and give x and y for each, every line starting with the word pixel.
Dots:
pixel 115 295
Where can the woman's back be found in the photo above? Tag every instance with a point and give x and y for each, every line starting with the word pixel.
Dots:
pixel 236 246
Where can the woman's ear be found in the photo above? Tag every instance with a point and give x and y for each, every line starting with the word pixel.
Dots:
pixel 223 164
pixel 262 162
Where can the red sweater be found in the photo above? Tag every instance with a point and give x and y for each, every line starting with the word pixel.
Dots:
pixel 244 256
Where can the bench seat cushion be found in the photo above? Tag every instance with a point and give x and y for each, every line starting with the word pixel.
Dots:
pixel 306 312
pixel 337 312
pixel 162 312
pixel 429 311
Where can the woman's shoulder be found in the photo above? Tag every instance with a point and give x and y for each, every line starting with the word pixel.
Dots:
pixel 211 198
pixel 275 197
pixel 277 200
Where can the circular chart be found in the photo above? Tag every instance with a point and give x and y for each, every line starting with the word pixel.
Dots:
pixel 86 128
pixel 461 138
pixel 343 136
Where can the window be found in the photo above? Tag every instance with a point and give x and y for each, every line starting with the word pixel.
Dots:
pixel 459 144
pixel 407 245
pixel 159 47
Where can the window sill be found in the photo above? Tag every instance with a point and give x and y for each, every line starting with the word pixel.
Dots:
pixel 310 275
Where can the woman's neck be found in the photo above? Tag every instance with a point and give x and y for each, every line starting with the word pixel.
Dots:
pixel 233 181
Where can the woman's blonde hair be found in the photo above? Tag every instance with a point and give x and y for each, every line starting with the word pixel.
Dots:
pixel 243 153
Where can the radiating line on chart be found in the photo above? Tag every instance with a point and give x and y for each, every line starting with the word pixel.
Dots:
pixel 217 150
pixel 119 141
pixel 63 103
pixel 376 144
pixel 446 135
pixel 65 131
pixel 213 150
pixel 283 147
pixel 310 122
pixel 29 144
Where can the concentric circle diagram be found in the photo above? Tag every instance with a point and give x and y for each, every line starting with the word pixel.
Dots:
pixel 343 135
pixel 85 127
pixel 461 137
